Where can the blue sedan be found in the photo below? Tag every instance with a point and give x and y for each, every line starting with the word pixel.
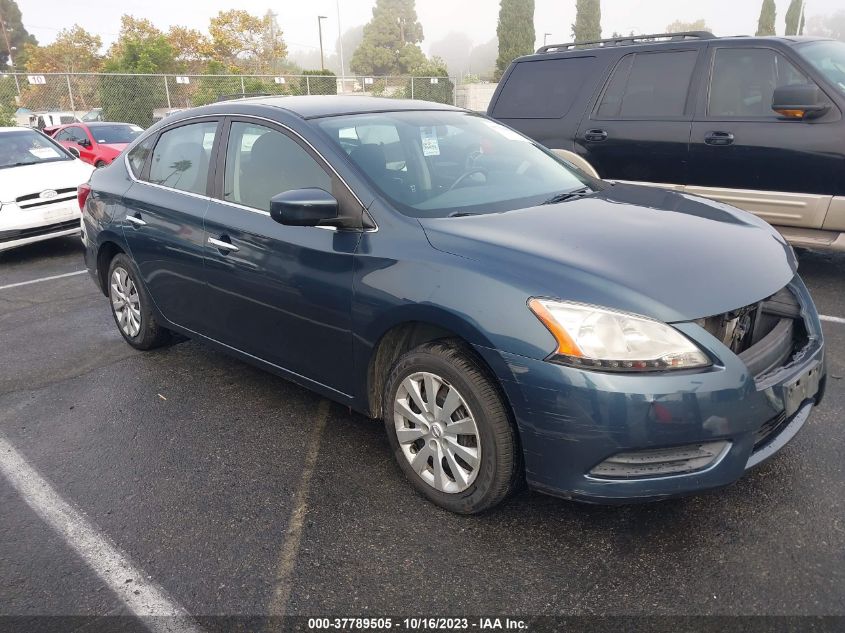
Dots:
pixel 509 317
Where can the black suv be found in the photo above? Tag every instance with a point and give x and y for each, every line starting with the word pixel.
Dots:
pixel 755 122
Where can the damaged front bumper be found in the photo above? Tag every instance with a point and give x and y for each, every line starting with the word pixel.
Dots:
pixel 611 438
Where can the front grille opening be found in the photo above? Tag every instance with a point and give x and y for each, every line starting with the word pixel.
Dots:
pixel 765 335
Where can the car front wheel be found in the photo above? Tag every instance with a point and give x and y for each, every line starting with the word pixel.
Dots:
pixel 450 430
pixel 130 305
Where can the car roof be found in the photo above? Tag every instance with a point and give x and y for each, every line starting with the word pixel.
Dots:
pixel 668 40
pixel 93 124
pixel 16 128
pixel 314 106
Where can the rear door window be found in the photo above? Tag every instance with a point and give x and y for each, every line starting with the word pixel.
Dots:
pixel 648 86
pixel 544 89
pixel 182 156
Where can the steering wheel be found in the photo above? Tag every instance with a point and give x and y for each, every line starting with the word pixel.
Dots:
pixel 469 172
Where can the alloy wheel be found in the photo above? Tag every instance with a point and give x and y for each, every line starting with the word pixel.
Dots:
pixel 437 432
pixel 125 302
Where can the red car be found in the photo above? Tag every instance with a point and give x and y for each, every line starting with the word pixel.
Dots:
pixel 96 143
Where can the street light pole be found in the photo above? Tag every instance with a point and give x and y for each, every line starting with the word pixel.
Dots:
pixel 320 19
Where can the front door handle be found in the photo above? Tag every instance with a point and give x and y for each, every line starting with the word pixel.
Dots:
pixel 222 245
pixel 719 138
pixel 595 136
pixel 136 220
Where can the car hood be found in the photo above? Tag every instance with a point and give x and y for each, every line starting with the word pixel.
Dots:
pixel 671 256
pixel 28 179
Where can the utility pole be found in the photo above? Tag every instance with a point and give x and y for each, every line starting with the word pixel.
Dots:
pixel 9 50
pixel 340 44
pixel 320 19
pixel 272 15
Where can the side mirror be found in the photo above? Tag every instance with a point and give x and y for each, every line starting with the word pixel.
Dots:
pixel 73 151
pixel 800 101
pixel 85 143
pixel 304 207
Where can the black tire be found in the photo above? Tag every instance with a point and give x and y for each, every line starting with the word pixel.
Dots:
pixel 500 470
pixel 100 164
pixel 150 334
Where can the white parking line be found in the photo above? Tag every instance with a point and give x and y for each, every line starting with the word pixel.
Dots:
pixel 832 319
pixel 293 536
pixel 36 281
pixel 143 597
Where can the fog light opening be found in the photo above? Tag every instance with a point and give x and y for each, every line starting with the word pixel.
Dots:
pixel 662 462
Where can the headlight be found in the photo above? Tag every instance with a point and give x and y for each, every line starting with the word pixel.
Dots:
pixel 598 338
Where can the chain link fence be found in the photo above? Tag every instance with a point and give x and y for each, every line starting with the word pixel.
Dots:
pixel 144 99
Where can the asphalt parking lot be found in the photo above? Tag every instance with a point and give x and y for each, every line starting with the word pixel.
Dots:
pixel 238 493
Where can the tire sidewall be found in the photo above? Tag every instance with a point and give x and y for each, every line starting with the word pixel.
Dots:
pixel 476 495
pixel 141 340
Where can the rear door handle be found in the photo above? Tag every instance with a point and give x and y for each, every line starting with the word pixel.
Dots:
pixel 595 136
pixel 136 220
pixel 222 245
pixel 719 138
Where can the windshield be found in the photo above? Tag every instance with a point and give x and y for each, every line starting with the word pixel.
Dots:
pixel 828 57
pixel 438 163
pixel 115 133
pixel 26 147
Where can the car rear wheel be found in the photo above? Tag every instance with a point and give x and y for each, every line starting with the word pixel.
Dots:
pixel 450 430
pixel 130 306
pixel 100 164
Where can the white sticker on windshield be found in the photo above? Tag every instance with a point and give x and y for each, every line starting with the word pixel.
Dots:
pixel 431 147
pixel 44 152
pixel 507 133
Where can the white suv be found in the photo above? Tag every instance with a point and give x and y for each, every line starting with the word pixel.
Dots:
pixel 38 181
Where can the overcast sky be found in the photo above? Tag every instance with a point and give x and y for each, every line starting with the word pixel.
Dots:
pixel 476 18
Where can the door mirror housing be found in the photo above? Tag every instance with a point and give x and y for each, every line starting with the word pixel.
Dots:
pixel 85 143
pixel 799 101
pixel 305 207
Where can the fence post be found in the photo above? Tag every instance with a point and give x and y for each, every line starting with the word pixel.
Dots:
pixel 167 91
pixel 307 84
pixel 412 87
pixel 455 92
pixel 70 93
pixel 243 86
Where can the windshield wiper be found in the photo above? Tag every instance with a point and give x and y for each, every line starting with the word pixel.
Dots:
pixel 460 214
pixel 569 195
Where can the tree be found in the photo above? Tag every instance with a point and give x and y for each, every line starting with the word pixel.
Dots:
pixel 587 25
pixel 10 16
pixel 74 50
pixel 515 32
pixel 768 15
pixel 679 27
pixel 430 82
pixel 390 43
pixel 239 38
pixel 190 47
pixel 793 14
pixel 454 50
pixel 832 25
pixel 482 59
pixel 140 49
